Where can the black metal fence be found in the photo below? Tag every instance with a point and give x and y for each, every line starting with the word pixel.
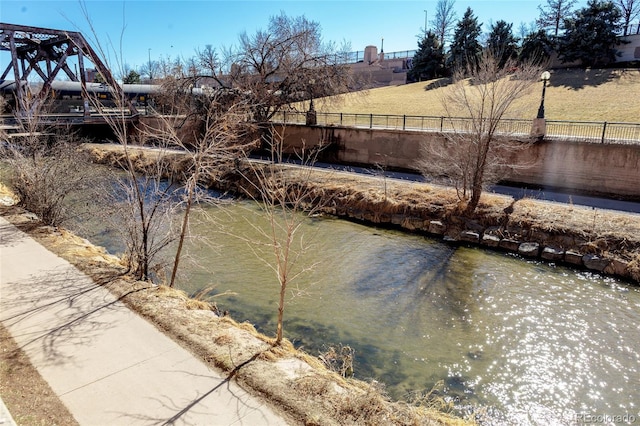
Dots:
pixel 581 131
pixel 353 57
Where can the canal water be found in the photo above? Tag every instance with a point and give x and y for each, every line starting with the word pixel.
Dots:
pixel 521 341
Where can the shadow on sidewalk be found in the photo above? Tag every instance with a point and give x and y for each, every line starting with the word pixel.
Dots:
pixel 58 306
pixel 243 402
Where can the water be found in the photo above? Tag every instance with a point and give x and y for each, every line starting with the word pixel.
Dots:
pixel 521 341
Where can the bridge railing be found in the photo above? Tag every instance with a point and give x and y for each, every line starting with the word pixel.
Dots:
pixel 581 131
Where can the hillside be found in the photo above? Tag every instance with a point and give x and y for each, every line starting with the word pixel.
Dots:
pixel 578 95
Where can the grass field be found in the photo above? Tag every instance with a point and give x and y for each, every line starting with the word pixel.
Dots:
pixel 611 95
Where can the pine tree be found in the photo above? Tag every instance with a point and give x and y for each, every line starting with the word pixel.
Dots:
pixel 465 47
pixel 132 78
pixel 536 48
pixel 502 42
pixel 428 62
pixel 591 34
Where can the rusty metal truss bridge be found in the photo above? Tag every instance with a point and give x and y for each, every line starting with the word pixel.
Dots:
pixel 46 52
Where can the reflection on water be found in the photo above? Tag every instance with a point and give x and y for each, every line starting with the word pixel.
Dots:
pixel 530 342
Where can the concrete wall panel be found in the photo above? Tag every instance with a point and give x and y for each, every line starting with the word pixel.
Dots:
pixel 585 167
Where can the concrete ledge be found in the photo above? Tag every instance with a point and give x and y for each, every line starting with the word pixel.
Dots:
pixel 573 258
pixel 490 240
pixel 529 249
pixel 595 263
pixel 470 236
pixel 437 227
pixel 509 244
pixel 552 254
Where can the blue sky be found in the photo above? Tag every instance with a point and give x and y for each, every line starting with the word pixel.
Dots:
pixel 177 28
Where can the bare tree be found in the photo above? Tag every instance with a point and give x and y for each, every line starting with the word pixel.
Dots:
pixel 141 199
pixel 445 20
pixel 279 66
pixel 475 154
pixel 286 200
pixel 211 129
pixel 630 10
pixel 553 13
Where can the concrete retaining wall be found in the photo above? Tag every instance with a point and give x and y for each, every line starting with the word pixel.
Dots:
pixel 585 167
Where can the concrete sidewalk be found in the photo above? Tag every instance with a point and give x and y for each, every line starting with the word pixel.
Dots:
pixel 108 365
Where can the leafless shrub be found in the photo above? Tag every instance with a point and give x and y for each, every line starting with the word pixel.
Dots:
pixel 339 359
pixel 286 199
pixel 45 167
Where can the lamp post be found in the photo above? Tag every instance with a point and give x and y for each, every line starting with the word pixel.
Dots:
pixel 150 73
pixel 426 14
pixel 544 77
pixel 311 114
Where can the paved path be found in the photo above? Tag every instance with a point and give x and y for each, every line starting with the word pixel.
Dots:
pixel 108 365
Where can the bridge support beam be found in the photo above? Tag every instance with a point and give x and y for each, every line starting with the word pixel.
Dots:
pixel 31 46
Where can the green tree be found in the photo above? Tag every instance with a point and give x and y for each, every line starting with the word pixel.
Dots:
pixel 428 62
pixel 590 36
pixel 132 78
pixel 536 48
pixel 465 47
pixel 502 42
pixel 552 15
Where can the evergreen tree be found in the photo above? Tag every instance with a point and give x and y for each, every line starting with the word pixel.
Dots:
pixel 132 78
pixel 502 42
pixel 98 78
pixel 428 62
pixel 553 14
pixel 466 47
pixel 591 34
pixel 536 48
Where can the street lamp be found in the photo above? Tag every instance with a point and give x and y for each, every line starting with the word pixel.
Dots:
pixel 311 114
pixel 426 14
pixel 544 77
pixel 311 83
pixel 150 73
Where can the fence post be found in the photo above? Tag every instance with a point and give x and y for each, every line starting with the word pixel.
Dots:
pixel 284 117
pixel 340 119
pixel 404 122
pixel 604 130
pixel 441 123
pixel 371 121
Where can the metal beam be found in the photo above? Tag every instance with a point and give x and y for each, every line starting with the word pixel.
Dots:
pixel 32 45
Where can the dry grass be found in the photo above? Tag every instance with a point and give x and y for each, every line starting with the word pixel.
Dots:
pixel 578 95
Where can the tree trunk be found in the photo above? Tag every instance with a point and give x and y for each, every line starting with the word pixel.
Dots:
pixel 283 288
pixel 183 231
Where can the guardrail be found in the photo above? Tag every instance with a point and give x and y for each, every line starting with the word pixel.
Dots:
pixel 580 131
